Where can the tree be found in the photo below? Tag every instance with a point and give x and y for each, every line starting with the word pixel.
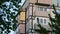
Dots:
pixel 55 22
pixel 9 10
pixel 41 29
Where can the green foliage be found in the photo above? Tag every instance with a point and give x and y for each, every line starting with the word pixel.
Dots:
pixel 41 29
pixel 55 22
pixel 2 1
pixel 8 19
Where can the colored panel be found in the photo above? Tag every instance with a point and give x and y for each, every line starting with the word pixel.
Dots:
pixel 22 16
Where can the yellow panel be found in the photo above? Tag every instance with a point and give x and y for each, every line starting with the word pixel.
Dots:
pixel 22 16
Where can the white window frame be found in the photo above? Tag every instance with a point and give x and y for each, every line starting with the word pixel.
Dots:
pixel 47 20
pixel 43 9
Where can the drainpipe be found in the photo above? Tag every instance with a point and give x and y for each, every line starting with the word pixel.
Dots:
pixel 32 19
pixel 37 1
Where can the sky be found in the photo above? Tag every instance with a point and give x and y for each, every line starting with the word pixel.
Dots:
pixel 12 32
pixel 22 2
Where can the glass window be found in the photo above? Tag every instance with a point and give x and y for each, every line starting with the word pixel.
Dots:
pixel 44 20
pixel 41 8
pixel 41 20
pixel 45 9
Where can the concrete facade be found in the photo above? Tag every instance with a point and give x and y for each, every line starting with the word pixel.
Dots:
pixel 39 9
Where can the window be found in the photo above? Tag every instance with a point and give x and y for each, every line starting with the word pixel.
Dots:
pixel 40 20
pixel 44 20
pixel 42 9
pixel 45 9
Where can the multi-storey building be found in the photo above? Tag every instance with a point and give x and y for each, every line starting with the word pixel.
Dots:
pixel 39 10
pixel 34 10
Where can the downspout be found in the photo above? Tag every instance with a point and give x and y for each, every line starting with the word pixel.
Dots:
pixel 37 1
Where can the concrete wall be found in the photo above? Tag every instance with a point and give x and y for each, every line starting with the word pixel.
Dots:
pixel 55 2
pixel 37 12
pixel 33 1
pixel 45 1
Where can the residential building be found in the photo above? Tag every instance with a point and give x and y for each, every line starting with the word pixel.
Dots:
pixel 34 10
pixel 39 10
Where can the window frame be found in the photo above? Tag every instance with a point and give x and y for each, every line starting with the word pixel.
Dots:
pixel 42 21
pixel 43 9
pixel 45 21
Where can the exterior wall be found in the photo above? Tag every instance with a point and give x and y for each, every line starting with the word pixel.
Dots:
pixel 28 26
pixel 33 1
pixel 22 28
pixel 38 14
pixel 45 1
pixel 41 1
pixel 55 2
pixel 42 13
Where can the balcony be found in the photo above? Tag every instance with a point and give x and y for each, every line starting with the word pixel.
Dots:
pixel 42 14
